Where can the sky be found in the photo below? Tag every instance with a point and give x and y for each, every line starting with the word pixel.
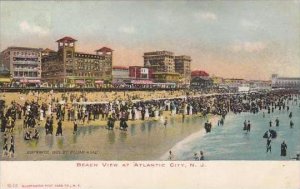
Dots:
pixel 231 39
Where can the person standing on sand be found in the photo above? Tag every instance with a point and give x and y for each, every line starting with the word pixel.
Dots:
pixel 59 128
pixel 75 127
pixel 12 147
pixel 166 122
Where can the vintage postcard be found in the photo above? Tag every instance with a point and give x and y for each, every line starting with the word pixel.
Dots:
pixel 149 94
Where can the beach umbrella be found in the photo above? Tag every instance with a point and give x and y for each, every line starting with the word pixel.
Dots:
pixel 273 134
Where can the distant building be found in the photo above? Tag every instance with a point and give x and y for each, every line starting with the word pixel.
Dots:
pixel 24 64
pixel 166 77
pixel 169 68
pixel 200 79
pixel 217 80
pixel 140 72
pixel 160 61
pixel 183 67
pixel 234 82
pixel 69 68
pixel 120 74
pixel 5 78
pixel 285 82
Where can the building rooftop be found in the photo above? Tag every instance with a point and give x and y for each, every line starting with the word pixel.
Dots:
pixel 66 39
pixel 184 57
pixel 289 78
pixel 199 73
pixel 104 49
pixel 158 53
pixel 24 48
pixel 48 50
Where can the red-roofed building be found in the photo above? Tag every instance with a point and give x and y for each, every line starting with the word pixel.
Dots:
pixel 200 79
pixel 69 68
pixel 199 73
pixel 67 39
pixel 104 51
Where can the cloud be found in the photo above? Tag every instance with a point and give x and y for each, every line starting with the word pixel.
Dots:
pixel 33 29
pixel 248 46
pixel 127 29
pixel 250 24
pixel 205 16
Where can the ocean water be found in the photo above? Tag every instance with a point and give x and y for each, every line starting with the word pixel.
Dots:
pixel 230 142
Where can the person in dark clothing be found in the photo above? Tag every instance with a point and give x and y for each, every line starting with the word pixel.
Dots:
pixel 36 134
pixel 291 124
pixel 12 147
pixel 27 136
pixel 277 122
pixel 297 157
pixel 3 123
pixel 245 125
pixel 269 147
pixel 283 149
pixel 201 156
pixel 123 125
pixel 59 128
pixel 5 138
pixel 5 149
pixel 248 126
pixel 75 127
pixel 51 126
pixel 47 126
pixel 270 123
pixel 290 115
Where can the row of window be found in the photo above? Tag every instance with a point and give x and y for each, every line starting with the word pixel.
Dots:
pixel 26 53
pixel 26 74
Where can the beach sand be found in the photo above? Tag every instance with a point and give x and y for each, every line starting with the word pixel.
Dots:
pixel 144 140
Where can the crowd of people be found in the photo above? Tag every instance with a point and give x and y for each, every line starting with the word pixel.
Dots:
pixel 80 109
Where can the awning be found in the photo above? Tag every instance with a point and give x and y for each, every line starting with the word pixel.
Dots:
pixel 99 82
pixel 142 82
pixel 79 81
pixel 34 81
pixel 30 81
pixel 23 81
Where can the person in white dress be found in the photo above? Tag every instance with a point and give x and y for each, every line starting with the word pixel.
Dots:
pixel 146 113
pixel 191 110
pixel 185 109
pixel 129 115
pixel 156 114
pixel 49 112
pixel 173 111
pixel 137 114
pixel 41 114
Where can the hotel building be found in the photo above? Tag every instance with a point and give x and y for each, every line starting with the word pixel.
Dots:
pixel 24 64
pixel 69 68
pixel 285 82
pixel 183 67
